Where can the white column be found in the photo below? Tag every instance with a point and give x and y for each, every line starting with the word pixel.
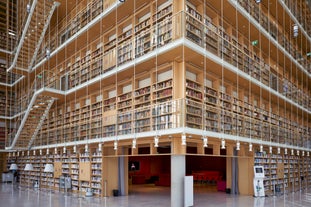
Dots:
pixel 178 172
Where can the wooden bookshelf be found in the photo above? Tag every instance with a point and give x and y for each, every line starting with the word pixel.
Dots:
pixel 84 171
pixel 194 97
pixel 97 172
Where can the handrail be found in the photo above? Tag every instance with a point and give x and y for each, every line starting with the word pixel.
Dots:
pixel 20 128
pixel 21 41
pixel 56 4
pixel 41 122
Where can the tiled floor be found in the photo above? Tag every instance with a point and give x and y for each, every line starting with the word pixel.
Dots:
pixel 145 196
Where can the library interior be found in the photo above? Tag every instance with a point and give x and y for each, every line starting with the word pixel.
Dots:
pixel 100 97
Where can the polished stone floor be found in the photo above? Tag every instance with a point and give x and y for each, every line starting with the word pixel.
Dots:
pixel 145 196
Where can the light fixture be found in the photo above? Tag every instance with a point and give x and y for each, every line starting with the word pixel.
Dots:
pixel 86 148
pixel 48 168
pixel 223 144
pixel 48 53
pixel 40 152
pixel 285 151
pixel 261 148
pixel 28 167
pixel 115 145
pixel 134 143
pixel 303 153
pixel 205 141
pixel 270 149
pixel 279 150
pixel 74 149
pixel 250 147
pixel 238 145
pixel 13 167
pixel 34 153
pixel 28 8
pixel 308 154
pixel 28 153
pixel 23 153
pixel 64 150
pixel 255 42
pixel 99 147
pixel 258 1
pixel 292 151
pixel 47 151
pixel 297 152
pixel 183 139
pixel 17 153
pixel 156 141
pixel 11 33
pixel 295 30
pixel 55 151
pixel 13 154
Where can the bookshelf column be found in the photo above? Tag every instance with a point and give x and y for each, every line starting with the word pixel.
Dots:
pixel 153 149
pixel 177 147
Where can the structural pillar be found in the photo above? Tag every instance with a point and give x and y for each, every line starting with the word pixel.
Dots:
pixel 178 172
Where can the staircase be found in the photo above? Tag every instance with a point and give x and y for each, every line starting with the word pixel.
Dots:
pixel 37 22
pixel 31 122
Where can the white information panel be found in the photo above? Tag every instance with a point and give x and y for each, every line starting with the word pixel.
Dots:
pixel 259 175
pixel 259 172
pixel 188 192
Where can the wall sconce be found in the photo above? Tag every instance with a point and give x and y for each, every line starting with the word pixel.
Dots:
pixel 308 154
pixel 40 152
pixel 205 141
pixel 17 153
pixel 134 143
pixel 23 153
pixel 270 149
pixel 47 151
pixel 238 145
pixel 156 141
pixel 295 30
pixel 115 145
pixel 292 151
pixel 55 151
pixel 279 150
pixel 86 148
pixel 303 153
pixel 250 147
pixel 285 151
pixel 28 8
pixel 261 148
pixel 223 144
pixel 28 153
pixel 183 139
pixel 74 149
pixel 34 153
pixel 64 150
pixel 99 147
pixel 297 152
pixel 48 53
